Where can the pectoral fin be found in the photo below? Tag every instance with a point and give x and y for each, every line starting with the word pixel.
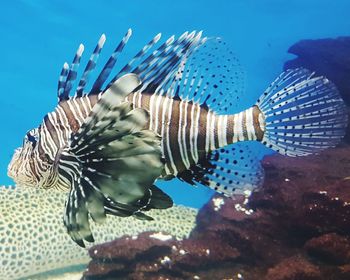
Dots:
pixel 111 164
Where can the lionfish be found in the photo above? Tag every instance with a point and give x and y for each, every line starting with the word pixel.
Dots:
pixel 170 112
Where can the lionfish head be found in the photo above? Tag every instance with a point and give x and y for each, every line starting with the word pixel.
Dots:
pixel 22 166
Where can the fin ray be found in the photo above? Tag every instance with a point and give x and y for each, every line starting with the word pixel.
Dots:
pixel 303 114
pixel 72 74
pixel 232 170
pixel 90 66
pixel 106 170
pixel 103 76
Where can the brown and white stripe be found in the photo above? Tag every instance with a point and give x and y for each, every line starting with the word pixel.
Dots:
pixel 190 131
pixel 55 133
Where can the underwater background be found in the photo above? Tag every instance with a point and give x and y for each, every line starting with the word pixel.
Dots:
pixel 37 37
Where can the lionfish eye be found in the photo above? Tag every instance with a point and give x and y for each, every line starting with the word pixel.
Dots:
pixel 31 137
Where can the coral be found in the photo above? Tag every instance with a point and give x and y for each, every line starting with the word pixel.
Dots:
pixel 33 238
pixel 295 227
pixel 294 268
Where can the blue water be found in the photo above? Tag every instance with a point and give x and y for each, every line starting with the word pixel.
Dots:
pixel 38 36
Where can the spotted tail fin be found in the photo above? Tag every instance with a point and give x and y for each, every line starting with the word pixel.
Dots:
pixel 301 114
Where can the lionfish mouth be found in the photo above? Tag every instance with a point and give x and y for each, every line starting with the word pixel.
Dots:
pixel 12 169
pixel 18 171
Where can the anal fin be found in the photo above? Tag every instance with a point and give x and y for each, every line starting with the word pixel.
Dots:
pixel 232 170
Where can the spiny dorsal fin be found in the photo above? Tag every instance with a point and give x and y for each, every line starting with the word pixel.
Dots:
pixel 90 66
pixel 127 68
pixel 154 69
pixel 96 88
pixel 210 76
pixel 68 76
pixel 62 81
pixel 191 67
pixel 166 62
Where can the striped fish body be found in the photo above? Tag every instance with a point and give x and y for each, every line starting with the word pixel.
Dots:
pixel 53 135
pixel 189 131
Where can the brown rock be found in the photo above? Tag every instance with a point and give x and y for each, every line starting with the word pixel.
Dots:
pixel 344 272
pixel 294 268
pixel 129 248
pixel 330 247
pixel 122 256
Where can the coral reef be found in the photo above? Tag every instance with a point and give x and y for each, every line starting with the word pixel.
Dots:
pixel 295 227
pixel 34 240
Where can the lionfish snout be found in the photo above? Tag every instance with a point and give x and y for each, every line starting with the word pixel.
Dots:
pixel 12 169
pixel 19 169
